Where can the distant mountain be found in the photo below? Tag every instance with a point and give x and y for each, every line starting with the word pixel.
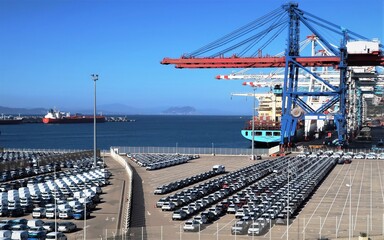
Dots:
pixel 187 110
pixel 23 111
pixel 119 109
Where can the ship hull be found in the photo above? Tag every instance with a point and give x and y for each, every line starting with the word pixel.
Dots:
pixel 272 137
pixel 263 138
pixel 85 119
pixel 10 121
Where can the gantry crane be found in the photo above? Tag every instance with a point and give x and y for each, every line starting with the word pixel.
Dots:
pixel 290 17
pixel 305 80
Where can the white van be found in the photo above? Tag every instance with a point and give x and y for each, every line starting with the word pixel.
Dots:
pixel 19 235
pixel 35 223
pixel 218 168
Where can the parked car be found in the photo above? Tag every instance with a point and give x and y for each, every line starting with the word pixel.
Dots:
pixel 35 223
pixel 5 234
pixel 66 227
pixel 5 226
pixel 36 235
pixel 191 226
pixel 56 236
pixel 51 212
pixel 256 229
pixel 239 228
pixel 17 212
pixel 80 214
pixel 38 212
pixel 168 206
pixel 19 227
pixel 49 226
pixel 201 219
pixel 179 215
pixel 20 234
pixel 4 212
pixel 66 213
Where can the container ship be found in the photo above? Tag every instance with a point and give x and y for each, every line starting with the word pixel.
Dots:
pixel 266 125
pixel 54 116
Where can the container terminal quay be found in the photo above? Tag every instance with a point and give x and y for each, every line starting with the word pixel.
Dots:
pixel 149 193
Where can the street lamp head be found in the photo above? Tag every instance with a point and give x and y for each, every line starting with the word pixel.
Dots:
pixel 95 77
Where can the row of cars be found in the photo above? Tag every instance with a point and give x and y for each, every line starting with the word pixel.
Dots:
pixel 82 189
pixel 58 194
pixel 181 183
pixel 345 155
pixel 158 161
pixel 32 156
pixel 370 155
pixel 230 201
pixel 199 201
pixel 284 199
pixel 16 177
pixel 257 195
pixel 22 228
pixel 16 166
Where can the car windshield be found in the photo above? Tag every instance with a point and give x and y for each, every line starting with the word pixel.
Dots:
pixel 34 234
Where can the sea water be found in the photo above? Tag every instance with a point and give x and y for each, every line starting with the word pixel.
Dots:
pixel 158 130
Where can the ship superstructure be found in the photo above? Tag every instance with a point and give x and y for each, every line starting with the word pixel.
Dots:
pixel 266 125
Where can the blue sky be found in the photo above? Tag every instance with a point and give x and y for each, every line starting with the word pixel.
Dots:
pixel 49 49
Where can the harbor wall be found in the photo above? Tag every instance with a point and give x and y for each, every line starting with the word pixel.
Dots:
pixel 127 214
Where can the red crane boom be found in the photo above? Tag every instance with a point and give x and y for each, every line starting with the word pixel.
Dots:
pixel 362 59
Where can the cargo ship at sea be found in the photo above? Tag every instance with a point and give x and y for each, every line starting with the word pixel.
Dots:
pixel 54 116
pixel 266 124
pixel 10 120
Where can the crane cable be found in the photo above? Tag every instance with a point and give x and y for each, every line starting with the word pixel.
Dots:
pixel 237 33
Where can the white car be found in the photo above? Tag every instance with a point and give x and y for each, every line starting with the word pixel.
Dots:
pixel 66 227
pixel 370 156
pixel 201 219
pixel 359 156
pixel 380 156
pixel 255 229
pixel 191 226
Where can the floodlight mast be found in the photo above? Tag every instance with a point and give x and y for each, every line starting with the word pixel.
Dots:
pixel 95 77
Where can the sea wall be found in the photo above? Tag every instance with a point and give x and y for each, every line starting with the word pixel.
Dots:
pixel 127 214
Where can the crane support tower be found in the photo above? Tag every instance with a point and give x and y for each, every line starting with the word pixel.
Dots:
pixel 348 54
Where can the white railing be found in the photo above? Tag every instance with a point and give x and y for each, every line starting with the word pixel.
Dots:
pixel 191 150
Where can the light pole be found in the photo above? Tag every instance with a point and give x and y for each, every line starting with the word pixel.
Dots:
pixel 253 125
pixel 288 208
pixel 95 77
pixel 350 205
pixel 54 177
pixel 85 219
